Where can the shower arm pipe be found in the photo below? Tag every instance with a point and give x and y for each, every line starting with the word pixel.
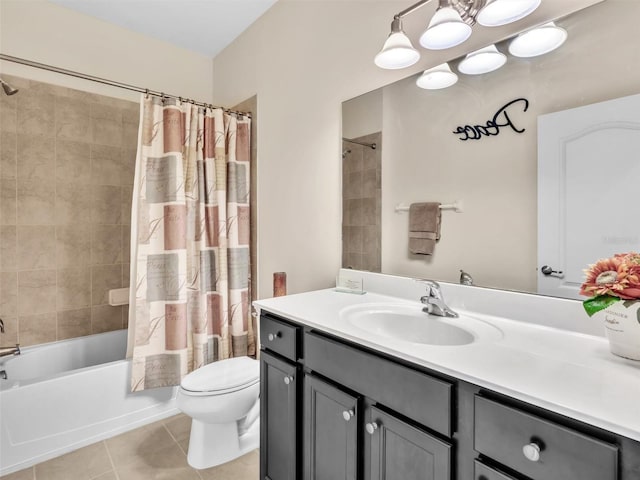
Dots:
pixel 372 146
pixel 113 83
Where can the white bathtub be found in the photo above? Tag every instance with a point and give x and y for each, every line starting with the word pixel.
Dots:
pixel 64 395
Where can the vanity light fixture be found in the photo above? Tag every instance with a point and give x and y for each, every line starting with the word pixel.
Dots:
pixel 450 26
pixel 481 61
pixel 538 41
pixel 397 51
pixel 437 77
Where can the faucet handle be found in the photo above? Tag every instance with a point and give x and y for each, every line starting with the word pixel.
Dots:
pixel 428 283
pixel 1 326
pixel 433 288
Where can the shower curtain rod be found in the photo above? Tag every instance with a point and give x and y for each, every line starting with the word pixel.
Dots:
pixel 112 83
pixel 372 146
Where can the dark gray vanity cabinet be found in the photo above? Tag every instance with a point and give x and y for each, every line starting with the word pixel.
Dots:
pixel 398 450
pixel 335 410
pixel 279 401
pixel 401 404
pixel 331 424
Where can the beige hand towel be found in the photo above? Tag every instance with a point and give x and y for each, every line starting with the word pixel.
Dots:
pixel 424 227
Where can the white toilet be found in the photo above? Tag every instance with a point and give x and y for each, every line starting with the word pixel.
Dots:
pixel 222 398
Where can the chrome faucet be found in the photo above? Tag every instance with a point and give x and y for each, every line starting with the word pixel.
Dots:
pixel 465 278
pixel 434 301
pixel 5 351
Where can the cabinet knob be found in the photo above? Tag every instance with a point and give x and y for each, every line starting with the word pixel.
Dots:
pixel 371 427
pixel 274 336
pixel 531 451
pixel 347 414
pixel 288 379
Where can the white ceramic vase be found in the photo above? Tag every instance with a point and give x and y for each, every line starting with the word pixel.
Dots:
pixel 622 325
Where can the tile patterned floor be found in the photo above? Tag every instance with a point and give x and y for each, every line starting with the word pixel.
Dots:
pixel 154 452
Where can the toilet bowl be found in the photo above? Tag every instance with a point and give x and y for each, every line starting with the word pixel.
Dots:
pixel 222 398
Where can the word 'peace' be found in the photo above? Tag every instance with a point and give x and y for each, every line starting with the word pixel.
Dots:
pixel 500 119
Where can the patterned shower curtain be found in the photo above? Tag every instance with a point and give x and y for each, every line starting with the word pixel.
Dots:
pixel 189 295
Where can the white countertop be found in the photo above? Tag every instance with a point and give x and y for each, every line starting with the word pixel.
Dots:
pixel 564 371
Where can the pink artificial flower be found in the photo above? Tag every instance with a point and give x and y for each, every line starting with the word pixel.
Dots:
pixel 618 276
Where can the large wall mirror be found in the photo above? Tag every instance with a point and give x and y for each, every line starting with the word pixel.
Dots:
pixel 498 236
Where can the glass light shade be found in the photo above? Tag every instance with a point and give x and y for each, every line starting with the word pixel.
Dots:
pixel 485 60
pixel 538 41
pixel 502 12
pixel 397 52
pixel 446 29
pixel 437 77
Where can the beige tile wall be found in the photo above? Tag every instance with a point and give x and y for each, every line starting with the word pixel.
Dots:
pixel 361 200
pixel 67 162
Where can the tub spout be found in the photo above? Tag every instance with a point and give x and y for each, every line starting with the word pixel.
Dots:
pixel 4 351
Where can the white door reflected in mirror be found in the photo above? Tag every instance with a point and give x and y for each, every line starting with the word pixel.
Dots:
pixel 588 205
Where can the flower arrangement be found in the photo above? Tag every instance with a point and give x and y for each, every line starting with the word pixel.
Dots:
pixel 611 280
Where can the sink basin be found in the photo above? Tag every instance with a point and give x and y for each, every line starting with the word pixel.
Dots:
pixel 408 323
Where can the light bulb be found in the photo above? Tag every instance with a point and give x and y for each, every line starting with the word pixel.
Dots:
pixel 538 41
pixel 437 77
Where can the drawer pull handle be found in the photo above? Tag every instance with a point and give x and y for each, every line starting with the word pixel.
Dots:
pixel 532 451
pixel 347 415
pixel 274 336
pixel 288 379
pixel 371 428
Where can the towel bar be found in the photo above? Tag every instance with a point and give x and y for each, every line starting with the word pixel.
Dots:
pixel 457 206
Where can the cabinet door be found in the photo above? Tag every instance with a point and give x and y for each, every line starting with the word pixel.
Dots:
pixel 278 419
pixel 397 450
pixel 331 432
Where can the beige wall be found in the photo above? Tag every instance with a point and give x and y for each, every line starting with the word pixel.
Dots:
pixel 303 59
pixel 362 115
pixel 47 33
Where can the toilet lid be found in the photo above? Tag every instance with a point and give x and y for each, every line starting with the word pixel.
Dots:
pixel 232 373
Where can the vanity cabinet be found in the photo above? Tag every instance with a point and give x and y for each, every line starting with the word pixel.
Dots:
pixel 279 401
pixel 332 419
pixel 391 445
pixel 334 410
pixel 397 449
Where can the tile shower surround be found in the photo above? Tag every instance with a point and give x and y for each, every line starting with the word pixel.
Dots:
pixel 361 199
pixel 67 162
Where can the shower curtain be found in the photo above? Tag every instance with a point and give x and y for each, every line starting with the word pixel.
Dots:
pixel 189 296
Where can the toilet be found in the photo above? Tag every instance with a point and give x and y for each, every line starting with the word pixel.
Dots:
pixel 222 398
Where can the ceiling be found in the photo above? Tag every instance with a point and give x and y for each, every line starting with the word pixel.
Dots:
pixel 202 26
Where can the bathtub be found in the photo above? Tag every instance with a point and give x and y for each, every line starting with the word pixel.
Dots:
pixel 61 396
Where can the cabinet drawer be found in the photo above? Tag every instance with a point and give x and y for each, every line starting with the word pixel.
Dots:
pixel 419 396
pixel 482 472
pixel 501 432
pixel 279 337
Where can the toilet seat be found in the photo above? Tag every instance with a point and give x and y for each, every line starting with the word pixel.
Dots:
pixel 221 377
